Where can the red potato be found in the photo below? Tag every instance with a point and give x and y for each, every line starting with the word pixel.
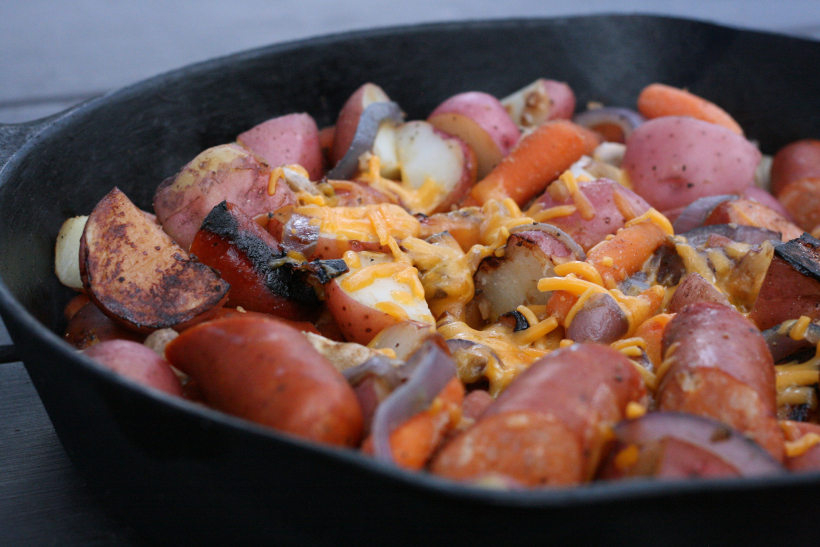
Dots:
pixel 673 160
pixel 287 140
pixel 540 101
pixel 243 252
pixel 752 213
pixel 611 206
pixel 222 173
pixel 548 427
pixel 135 273
pixel 375 294
pixel 349 116
pixel 137 362
pixel 265 371
pixel 511 280
pixel 481 121
pixel 430 156
pixel 719 366
pixel 89 326
pixel 791 287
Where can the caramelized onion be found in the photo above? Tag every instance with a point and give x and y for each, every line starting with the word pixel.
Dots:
pixel 555 232
pixel 432 370
pixel 603 119
pixel 696 212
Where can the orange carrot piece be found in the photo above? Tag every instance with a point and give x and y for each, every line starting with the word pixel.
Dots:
pixel 623 255
pixel 651 331
pixel 658 100
pixel 538 159
pixel 559 304
pixel 414 442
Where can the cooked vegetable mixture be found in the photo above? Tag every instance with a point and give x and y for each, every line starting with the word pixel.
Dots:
pixel 512 293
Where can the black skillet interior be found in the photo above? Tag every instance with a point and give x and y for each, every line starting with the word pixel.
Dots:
pixel 192 475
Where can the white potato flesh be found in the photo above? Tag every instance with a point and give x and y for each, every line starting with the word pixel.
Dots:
pixel 386 149
pixel 426 154
pixel 67 252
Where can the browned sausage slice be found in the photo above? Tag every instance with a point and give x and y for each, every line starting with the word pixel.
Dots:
pixel 719 366
pixel 265 371
pixel 549 426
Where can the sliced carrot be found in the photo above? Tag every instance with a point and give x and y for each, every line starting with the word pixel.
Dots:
pixel 414 442
pixel 624 254
pixel 658 100
pixel 559 304
pixel 538 159
pixel 651 331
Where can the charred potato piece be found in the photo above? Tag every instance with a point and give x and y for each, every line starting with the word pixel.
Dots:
pixel 137 275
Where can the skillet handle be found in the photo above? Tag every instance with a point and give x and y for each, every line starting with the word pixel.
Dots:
pixel 12 138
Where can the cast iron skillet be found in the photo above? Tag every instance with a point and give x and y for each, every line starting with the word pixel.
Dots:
pixel 182 473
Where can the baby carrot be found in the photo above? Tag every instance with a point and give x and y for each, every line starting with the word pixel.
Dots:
pixel 651 331
pixel 624 254
pixel 538 159
pixel 658 100
pixel 414 441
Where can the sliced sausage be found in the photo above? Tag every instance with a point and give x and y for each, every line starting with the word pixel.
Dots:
pixel 719 366
pixel 548 427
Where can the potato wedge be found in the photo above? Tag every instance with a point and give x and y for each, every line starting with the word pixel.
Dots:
pixel 222 173
pixel 138 276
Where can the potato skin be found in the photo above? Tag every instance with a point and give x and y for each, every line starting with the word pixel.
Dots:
pixel 265 371
pixel 288 139
pixel 138 276
pixel 137 362
pixel 721 368
pixel 673 160
pixel 547 427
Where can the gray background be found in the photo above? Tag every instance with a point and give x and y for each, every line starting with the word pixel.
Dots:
pixel 53 53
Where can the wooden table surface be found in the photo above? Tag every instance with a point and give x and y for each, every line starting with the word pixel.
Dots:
pixel 54 54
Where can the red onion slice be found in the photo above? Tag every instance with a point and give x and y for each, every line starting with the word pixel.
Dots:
pixel 372 117
pixel 300 234
pixel 696 212
pixel 733 448
pixel 433 369
pixel 783 345
pixel 555 232
pixel 600 320
pixel 627 120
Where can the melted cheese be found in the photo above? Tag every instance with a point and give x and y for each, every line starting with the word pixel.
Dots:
pixel 652 215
